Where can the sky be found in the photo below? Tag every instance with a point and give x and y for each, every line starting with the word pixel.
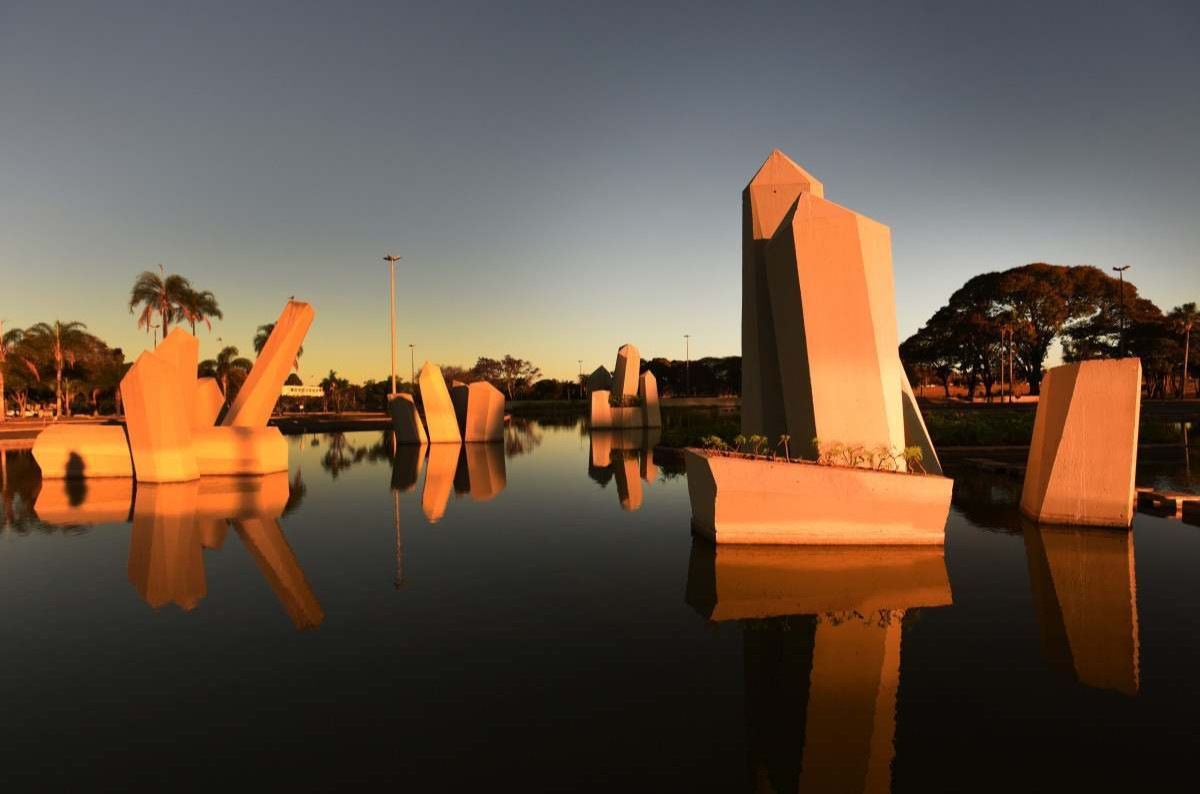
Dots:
pixel 561 178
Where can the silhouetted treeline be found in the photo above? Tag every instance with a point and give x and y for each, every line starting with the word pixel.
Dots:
pixel 1017 315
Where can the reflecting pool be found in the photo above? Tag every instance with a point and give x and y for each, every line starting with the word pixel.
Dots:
pixel 536 615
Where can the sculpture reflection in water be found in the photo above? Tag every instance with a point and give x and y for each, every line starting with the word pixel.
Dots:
pixel 174 523
pixel 821 632
pixel 1085 594
pixel 628 456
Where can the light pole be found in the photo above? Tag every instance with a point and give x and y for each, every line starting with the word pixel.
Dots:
pixel 412 369
pixel 687 364
pixel 1121 278
pixel 392 259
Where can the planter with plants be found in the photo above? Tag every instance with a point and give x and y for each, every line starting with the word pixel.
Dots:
pixel 755 491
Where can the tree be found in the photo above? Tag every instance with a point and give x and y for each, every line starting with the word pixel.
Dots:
pixel 199 306
pixel 934 347
pixel 336 391
pixel 56 343
pixel 228 367
pixel 263 335
pixel 1183 319
pixel 488 369
pixel 9 341
pixel 517 374
pixel 158 293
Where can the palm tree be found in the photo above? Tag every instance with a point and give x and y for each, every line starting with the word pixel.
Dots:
pixel 260 341
pixel 60 342
pixel 9 340
pixel 1183 319
pixel 225 364
pixel 200 306
pixel 158 293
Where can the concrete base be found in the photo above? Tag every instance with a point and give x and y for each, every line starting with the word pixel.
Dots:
pixel 240 450
pixel 78 451
pixel 739 500
pixel 74 502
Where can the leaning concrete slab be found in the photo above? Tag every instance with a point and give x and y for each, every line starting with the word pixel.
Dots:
pixel 256 399
pixel 76 451
pixel 406 421
pixel 1084 449
pixel 160 432
pixel 440 420
pixel 485 413
pixel 277 562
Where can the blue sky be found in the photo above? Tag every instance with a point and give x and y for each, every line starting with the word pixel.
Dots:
pixel 561 178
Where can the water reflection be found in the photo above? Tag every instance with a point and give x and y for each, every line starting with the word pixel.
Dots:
pixel 474 469
pixel 627 456
pixel 1085 595
pixel 821 634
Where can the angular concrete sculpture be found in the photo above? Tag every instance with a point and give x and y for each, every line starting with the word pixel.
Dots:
pixel 440 420
pixel 256 399
pixel 821 365
pixel 633 401
pixel 159 429
pixel 1085 593
pixel 459 395
pixel 626 456
pixel 209 402
pixel 240 450
pixel 484 414
pixel 599 379
pixel 406 421
pixel 78 451
pixel 648 393
pixel 166 562
pixel 182 351
pixel 625 376
pixel 1084 449
pixel 740 500
pixel 765 201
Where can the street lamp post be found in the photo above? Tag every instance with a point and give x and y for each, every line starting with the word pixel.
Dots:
pixel 392 259
pixel 1121 278
pixel 687 364
pixel 412 368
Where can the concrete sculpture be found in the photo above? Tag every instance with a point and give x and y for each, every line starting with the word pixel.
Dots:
pixel 405 420
pixel 1085 593
pixel 1084 449
pixel 484 414
pixel 648 392
pixel 629 362
pixel 170 433
pixel 256 399
pixel 159 429
pixel 765 202
pixel 820 354
pixel 633 401
pixel 838 649
pixel 441 422
pixel 820 366
pixel 77 451
pixel 600 379
pixel 459 394
pixel 740 500
pixel 209 402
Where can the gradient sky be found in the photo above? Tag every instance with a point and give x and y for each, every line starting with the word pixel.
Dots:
pixel 561 178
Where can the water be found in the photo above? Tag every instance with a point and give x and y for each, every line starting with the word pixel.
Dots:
pixel 542 635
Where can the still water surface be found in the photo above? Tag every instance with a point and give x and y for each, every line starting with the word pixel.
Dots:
pixel 536 615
